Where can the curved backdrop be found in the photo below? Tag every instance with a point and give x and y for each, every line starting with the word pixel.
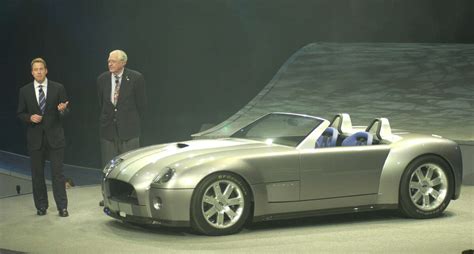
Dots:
pixel 426 88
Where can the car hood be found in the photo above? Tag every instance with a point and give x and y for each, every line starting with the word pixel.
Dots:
pixel 141 166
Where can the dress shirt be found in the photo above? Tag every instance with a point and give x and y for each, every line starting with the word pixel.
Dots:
pixel 113 84
pixel 44 87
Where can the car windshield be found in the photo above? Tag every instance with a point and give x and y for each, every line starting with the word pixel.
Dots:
pixel 282 129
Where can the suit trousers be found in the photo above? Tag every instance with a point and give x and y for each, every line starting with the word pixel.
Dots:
pixel 38 159
pixel 112 148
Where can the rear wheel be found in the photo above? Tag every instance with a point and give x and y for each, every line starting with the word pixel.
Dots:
pixel 426 188
pixel 220 204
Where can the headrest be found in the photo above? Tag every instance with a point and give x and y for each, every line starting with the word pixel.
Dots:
pixel 385 129
pixel 342 122
pixel 381 128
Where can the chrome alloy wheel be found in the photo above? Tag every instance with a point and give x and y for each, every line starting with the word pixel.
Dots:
pixel 428 186
pixel 222 204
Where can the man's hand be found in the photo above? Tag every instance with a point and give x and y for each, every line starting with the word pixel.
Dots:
pixel 62 106
pixel 36 118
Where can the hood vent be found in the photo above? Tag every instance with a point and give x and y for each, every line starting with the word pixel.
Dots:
pixel 182 145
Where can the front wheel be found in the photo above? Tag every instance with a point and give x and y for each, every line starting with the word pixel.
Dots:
pixel 220 204
pixel 426 188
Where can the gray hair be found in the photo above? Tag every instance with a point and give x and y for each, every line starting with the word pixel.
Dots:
pixel 122 55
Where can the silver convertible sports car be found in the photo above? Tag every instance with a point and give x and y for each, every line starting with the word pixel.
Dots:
pixel 283 165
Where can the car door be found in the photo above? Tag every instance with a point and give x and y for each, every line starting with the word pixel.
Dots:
pixel 336 172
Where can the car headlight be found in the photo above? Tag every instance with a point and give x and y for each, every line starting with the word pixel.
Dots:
pixel 165 177
pixel 111 165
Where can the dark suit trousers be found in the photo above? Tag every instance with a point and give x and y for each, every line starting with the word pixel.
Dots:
pixel 111 149
pixel 38 158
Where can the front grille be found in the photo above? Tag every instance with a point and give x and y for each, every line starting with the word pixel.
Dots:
pixel 122 192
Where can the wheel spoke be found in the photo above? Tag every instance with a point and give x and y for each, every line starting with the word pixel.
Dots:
pixel 426 200
pixel 228 190
pixel 217 190
pixel 417 196
pixel 220 219
pixel 210 200
pixel 435 181
pixel 235 201
pixel 434 193
pixel 230 213
pixel 209 213
pixel 419 174
pixel 429 173
pixel 415 185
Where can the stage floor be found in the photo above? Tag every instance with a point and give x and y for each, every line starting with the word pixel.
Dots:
pixel 88 230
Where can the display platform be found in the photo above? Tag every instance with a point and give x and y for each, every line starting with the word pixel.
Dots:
pixel 89 230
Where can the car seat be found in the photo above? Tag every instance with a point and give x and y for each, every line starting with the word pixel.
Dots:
pixel 360 138
pixel 328 138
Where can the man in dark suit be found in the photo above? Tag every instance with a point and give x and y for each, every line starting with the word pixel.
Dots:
pixel 42 104
pixel 122 101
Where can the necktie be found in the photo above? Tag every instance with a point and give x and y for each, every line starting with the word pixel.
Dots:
pixel 42 100
pixel 116 90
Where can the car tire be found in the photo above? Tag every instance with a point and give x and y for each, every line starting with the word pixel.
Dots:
pixel 220 204
pixel 426 188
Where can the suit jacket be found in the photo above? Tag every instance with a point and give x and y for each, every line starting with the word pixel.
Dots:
pixel 124 118
pixel 51 124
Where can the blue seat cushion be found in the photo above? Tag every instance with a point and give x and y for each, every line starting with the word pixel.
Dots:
pixel 328 138
pixel 360 138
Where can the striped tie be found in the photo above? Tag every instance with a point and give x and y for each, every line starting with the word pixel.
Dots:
pixel 42 99
pixel 117 89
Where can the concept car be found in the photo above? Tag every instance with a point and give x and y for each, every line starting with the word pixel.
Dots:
pixel 283 165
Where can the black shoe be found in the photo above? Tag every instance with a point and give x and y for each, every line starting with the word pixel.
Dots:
pixel 63 212
pixel 41 211
pixel 101 203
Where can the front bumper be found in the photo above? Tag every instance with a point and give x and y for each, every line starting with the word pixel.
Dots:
pixel 144 220
pixel 173 208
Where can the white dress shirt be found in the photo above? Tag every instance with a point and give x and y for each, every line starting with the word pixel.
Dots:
pixel 44 87
pixel 113 84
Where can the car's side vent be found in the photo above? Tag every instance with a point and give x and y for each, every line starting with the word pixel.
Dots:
pixel 182 145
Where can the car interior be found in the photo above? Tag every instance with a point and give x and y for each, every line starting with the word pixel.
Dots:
pixel 341 133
